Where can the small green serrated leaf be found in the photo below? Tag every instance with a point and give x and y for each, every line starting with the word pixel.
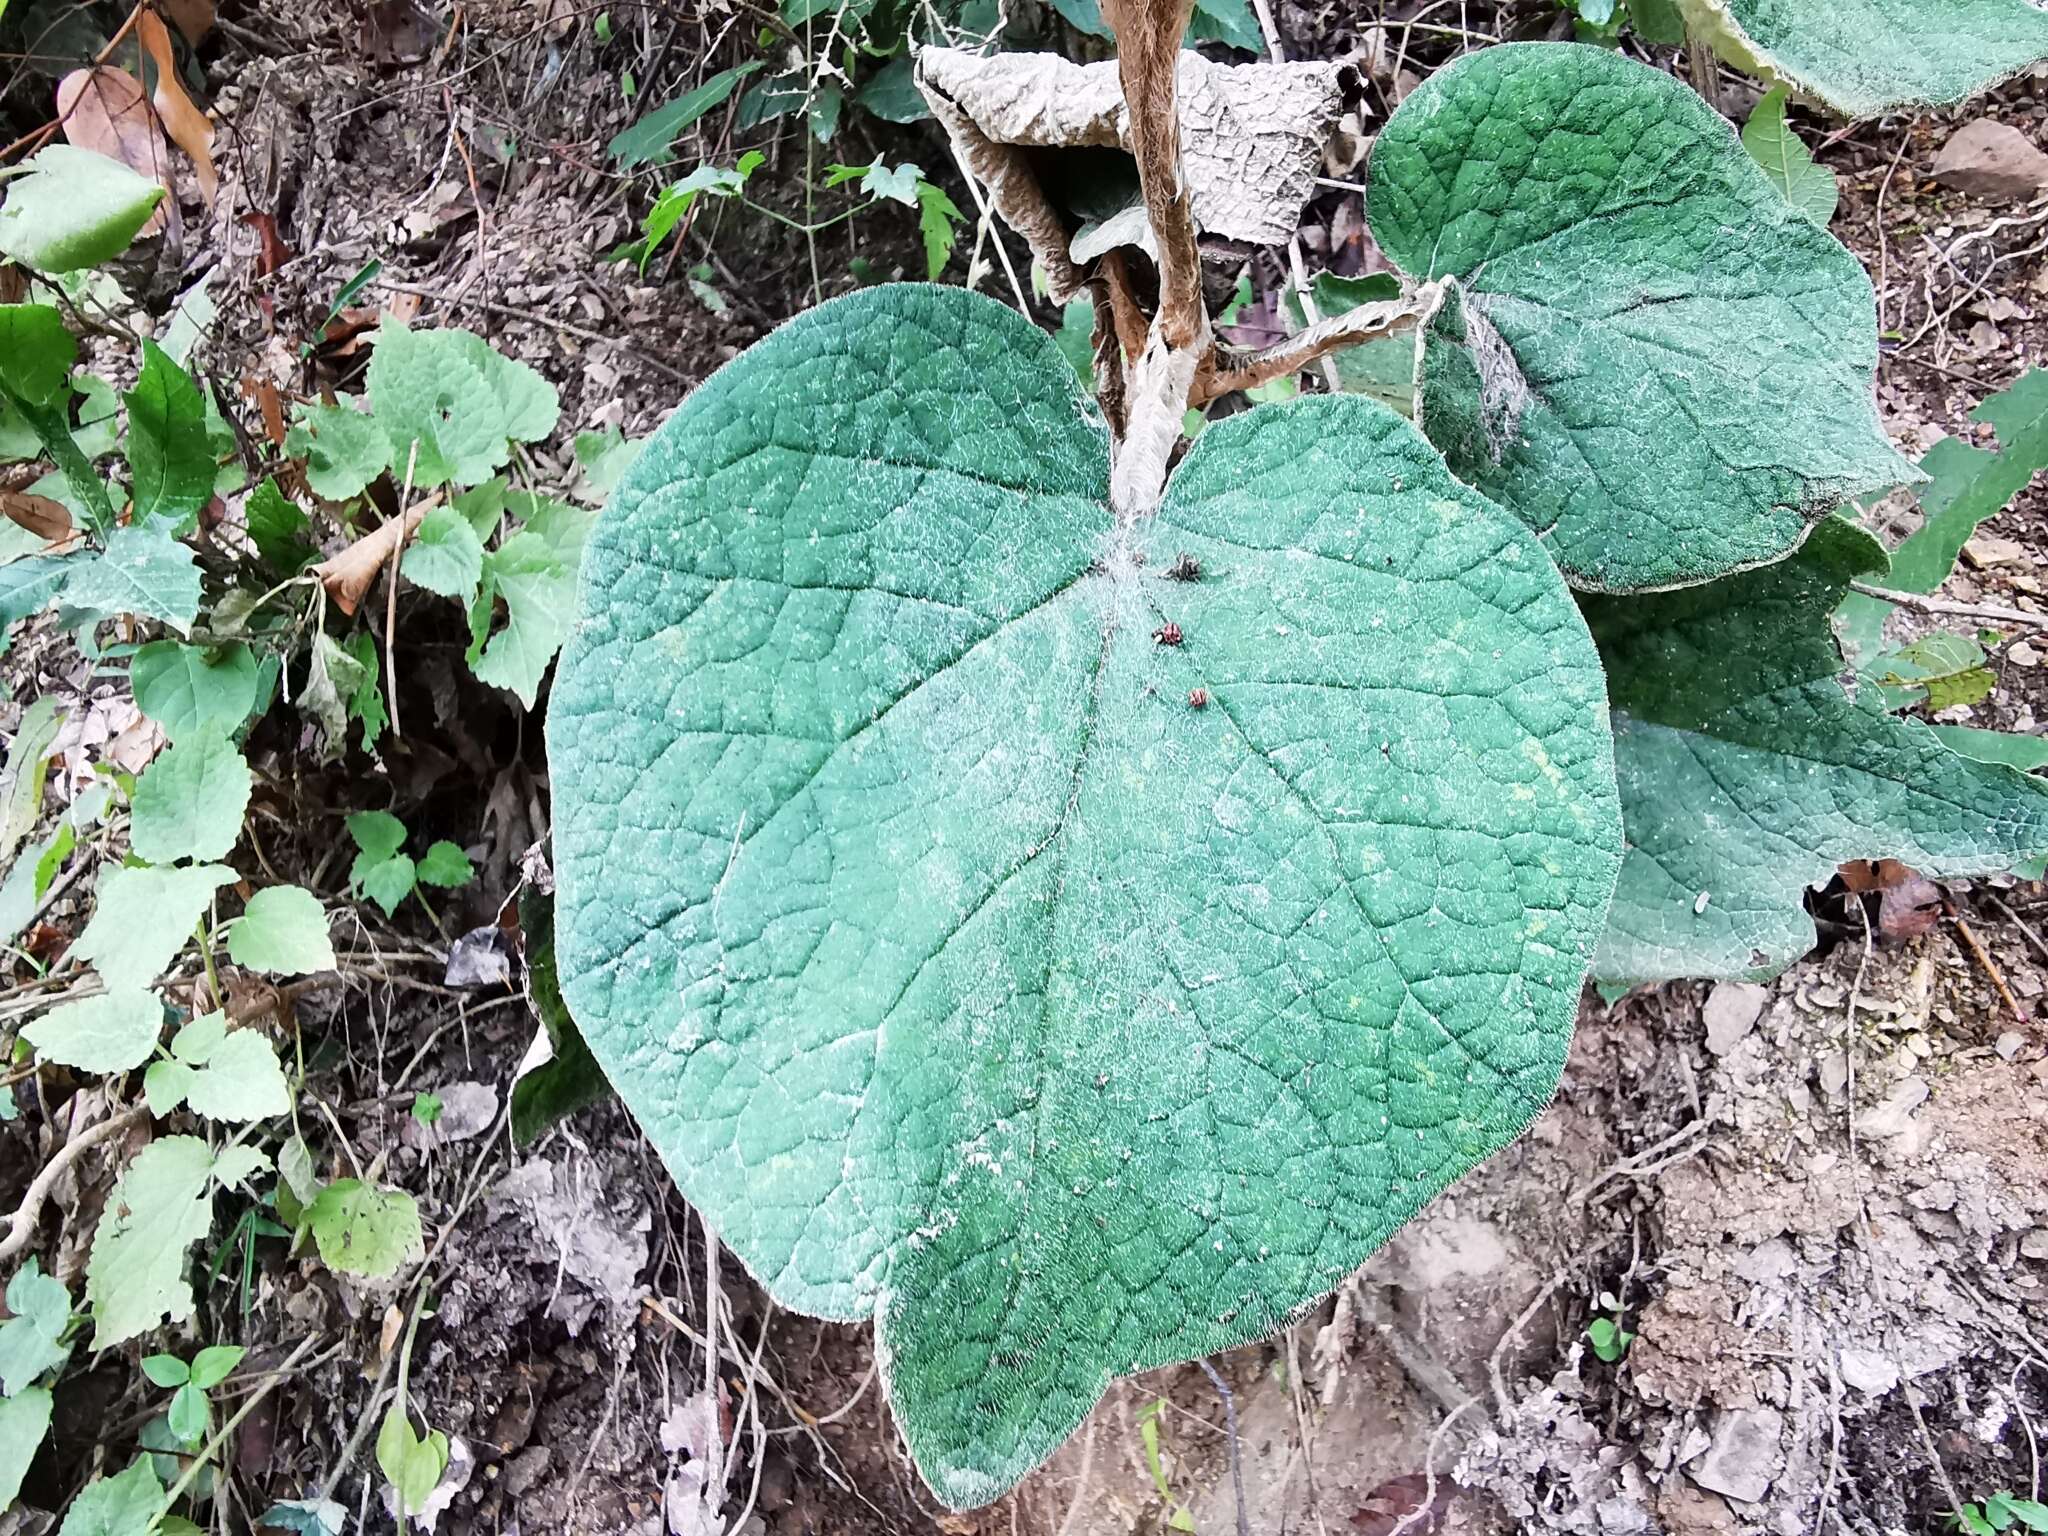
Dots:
pixel 189 802
pixel 378 835
pixel 113 1032
pixel 390 882
pixel 426 1107
pixel 344 448
pixel 241 1081
pixel 295 1167
pixel 197 1039
pixel 24 1422
pixel 189 688
pixel 601 458
pixel 142 917
pixel 445 555
pixel 31 1340
pixel 1810 188
pixel 162 1204
pixel 538 588
pixel 126 1505
pixel 938 223
pixel 143 571
pixel 164 1086
pixel 364 1230
pixel 282 931
pixel 446 865
pixel 74 209
pixel 168 452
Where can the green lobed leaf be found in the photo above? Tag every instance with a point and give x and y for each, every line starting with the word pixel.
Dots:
pixel 24 1422
pixel 142 917
pixel 972 970
pixel 162 1205
pixel 1810 188
pixel 1867 58
pixel 192 689
pixel 389 882
pixel 241 1081
pixel 446 865
pixel 31 1341
pixel 344 449
pixel 445 555
pixel 538 588
pixel 169 456
pixel 364 1230
pixel 461 401
pixel 377 835
pixel 113 1032
pixel 1661 399
pixel 189 802
pixel 282 931
pixel 124 1505
pixel 1747 773
pixel 198 1038
pixel 144 571
pixel 74 209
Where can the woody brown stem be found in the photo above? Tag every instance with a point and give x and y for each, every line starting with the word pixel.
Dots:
pixel 1148 34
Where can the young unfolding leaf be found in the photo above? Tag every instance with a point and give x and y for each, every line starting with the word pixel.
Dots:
pixel 1663 402
pixel 189 802
pixel 109 1033
pixel 162 1204
pixel 1073 967
pixel 143 917
pixel 1748 773
pixel 1866 58
pixel 74 209
pixel 282 931
pixel 364 1230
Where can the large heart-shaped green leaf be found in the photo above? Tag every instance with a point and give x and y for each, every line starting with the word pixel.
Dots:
pixel 1070 964
pixel 1650 356
pixel 1748 772
pixel 1869 57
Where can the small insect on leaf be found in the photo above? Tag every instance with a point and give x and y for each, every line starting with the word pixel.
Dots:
pixel 1168 633
pixel 1185 567
pixel 1198 698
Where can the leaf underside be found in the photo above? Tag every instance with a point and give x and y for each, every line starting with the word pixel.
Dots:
pixel 1747 772
pixel 1662 401
pixel 1865 58
pixel 969 975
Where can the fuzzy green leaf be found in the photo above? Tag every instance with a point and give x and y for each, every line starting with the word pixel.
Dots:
pixel 1748 773
pixel 461 401
pixel 1068 1000
pixel 162 1205
pixel 189 802
pixel 377 836
pixel 364 1230
pixel 284 932
pixel 446 865
pixel 344 449
pixel 241 1081
pixel 389 882
pixel 168 452
pixel 110 1033
pixel 142 917
pixel 189 689
pixel 445 555
pixel 1867 58
pixel 74 209
pixel 31 1341
pixel 1810 188
pixel 125 1505
pixel 24 1421
pixel 1650 357
pixel 143 571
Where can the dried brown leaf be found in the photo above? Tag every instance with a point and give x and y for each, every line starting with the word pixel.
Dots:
pixel 46 519
pixel 348 575
pixel 103 110
pixel 188 127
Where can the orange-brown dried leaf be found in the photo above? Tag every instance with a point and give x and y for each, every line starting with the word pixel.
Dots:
pixel 46 519
pixel 103 109
pixel 189 128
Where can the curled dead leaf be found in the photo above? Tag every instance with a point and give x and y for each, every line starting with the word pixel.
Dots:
pixel 103 109
pixel 1251 139
pixel 348 575
pixel 46 519
pixel 188 127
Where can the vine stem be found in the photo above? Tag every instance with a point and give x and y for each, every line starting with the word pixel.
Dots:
pixel 219 1439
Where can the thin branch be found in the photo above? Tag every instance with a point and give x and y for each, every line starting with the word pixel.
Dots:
pixel 1368 322
pixel 1921 602
pixel 27 1213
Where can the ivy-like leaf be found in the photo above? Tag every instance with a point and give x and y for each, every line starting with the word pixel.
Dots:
pixel 1867 58
pixel 539 588
pixel 364 1230
pixel 168 452
pixel 143 571
pixel 109 1033
pixel 1748 773
pixel 143 917
pixel 1662 401
pixel 344 449
pixel 188 689
pixel 445 555
pixel 282 931
pixel 162 1205
pixel 189 802
pixel 74 209
pixel 1072 967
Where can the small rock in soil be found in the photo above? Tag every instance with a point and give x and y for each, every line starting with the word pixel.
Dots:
pixel 1745 1454
pixel 1986 550
pixel 1868 1371
pixel 1732 1010
pixel 1992 160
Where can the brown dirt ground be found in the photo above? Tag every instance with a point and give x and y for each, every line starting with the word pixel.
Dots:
pixel 1826 1220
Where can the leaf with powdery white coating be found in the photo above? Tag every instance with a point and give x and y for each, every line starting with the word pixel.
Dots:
pixel 1059 962
pixel 1870 58
pixel 142 917
pixel 282 931
pixel 189 802
pixel 110 1033
pixel 1662 400
pixel 143 571
pixel 241 1081
pixel 1747 773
